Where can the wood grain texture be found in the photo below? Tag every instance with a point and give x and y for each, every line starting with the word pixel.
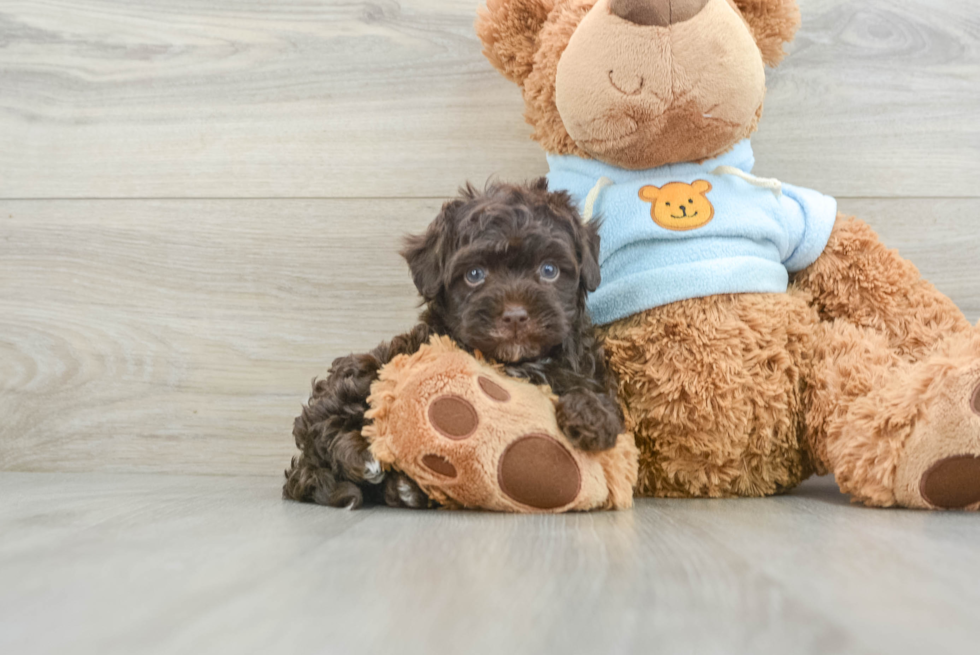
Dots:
pixel 323 98
pixel 138 334
pixel 169 564
pixel 180 335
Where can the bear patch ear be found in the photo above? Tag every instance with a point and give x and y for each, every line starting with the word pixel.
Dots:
pixel 701 186
pixel 509 32
pixel 649 193
pixel 773 23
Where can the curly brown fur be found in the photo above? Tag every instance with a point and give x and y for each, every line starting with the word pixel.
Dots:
pixel 511 311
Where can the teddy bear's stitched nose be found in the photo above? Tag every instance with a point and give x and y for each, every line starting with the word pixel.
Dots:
pixel 656 12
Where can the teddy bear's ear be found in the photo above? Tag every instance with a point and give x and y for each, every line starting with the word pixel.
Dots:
pixel 509 32
pixel 773 22
pixel 649 193
pixel 701 186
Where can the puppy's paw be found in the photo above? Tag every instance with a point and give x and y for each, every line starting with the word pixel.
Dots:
pixel 587 422
pixel 339 494
pixel 401 491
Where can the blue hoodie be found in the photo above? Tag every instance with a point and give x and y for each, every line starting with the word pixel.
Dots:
pixel 693 230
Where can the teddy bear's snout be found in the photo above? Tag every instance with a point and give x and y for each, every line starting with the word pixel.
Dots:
pixel 656 12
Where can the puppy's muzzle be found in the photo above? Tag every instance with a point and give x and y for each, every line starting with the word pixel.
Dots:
pixel 514 318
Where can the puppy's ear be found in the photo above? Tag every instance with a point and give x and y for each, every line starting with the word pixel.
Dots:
pixel 585 235
pixel 426 253
pixel 589 270
pixel 539 184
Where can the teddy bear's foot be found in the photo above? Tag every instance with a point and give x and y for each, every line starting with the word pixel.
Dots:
pixel 469 436
pixel 534 469
pixel 941 467
pixel 915 441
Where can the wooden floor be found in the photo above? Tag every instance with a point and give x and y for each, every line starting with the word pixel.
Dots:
pixel 200 205
pixel 104 564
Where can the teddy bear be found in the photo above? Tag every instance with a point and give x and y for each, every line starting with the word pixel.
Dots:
pixel 759 336
pixel 472 437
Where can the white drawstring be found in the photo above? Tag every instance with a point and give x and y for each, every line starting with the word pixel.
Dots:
pixel 770 183
pixel 589 210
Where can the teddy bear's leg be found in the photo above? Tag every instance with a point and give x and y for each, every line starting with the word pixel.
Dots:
pixel 895 431
pixel 711 390
pixel 893 409
pixel 859 280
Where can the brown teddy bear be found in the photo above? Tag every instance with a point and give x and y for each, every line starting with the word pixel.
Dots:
pixel 759 337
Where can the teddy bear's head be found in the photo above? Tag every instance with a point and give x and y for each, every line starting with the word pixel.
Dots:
pixel 639 83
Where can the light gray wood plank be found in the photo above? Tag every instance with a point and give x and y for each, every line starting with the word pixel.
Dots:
pixel 183 335
pixel 940 236
pixel 877 99
pixel 180 336
pixel 320 98
pixel 163 564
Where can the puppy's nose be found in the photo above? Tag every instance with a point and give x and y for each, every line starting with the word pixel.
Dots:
pixel 514 315
pixel 657 12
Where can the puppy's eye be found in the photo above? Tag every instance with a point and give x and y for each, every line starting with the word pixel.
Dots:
pixel 548 272
pixel 475 276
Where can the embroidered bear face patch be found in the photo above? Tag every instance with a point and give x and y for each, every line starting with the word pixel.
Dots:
pixel 679 206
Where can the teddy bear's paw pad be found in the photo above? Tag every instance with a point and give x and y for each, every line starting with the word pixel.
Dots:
pixel 453 417
pixel 952 483
pixel 975 401
pixel 439 464
pixel 539 472
pixel 492 389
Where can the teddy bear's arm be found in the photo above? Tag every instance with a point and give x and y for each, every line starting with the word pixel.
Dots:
pixel 859 280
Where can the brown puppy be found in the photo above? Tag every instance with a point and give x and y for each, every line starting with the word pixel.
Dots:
pixel 504 272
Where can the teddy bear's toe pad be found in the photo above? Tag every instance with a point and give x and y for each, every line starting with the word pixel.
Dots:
pixel 952 483
pixel 453 417
pixel 492 389
pixel 440 465
pixel 539 472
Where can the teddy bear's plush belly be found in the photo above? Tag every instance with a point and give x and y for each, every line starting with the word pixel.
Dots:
pixel 714 388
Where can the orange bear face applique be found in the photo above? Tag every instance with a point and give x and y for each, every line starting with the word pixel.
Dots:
pixel 679 206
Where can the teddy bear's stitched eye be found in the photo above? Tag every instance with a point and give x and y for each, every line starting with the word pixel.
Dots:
pixel 667 203
pixel 690 202
pixel 549 272
pixel 475 276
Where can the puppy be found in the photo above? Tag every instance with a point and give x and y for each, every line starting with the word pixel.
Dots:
pixel 504 272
